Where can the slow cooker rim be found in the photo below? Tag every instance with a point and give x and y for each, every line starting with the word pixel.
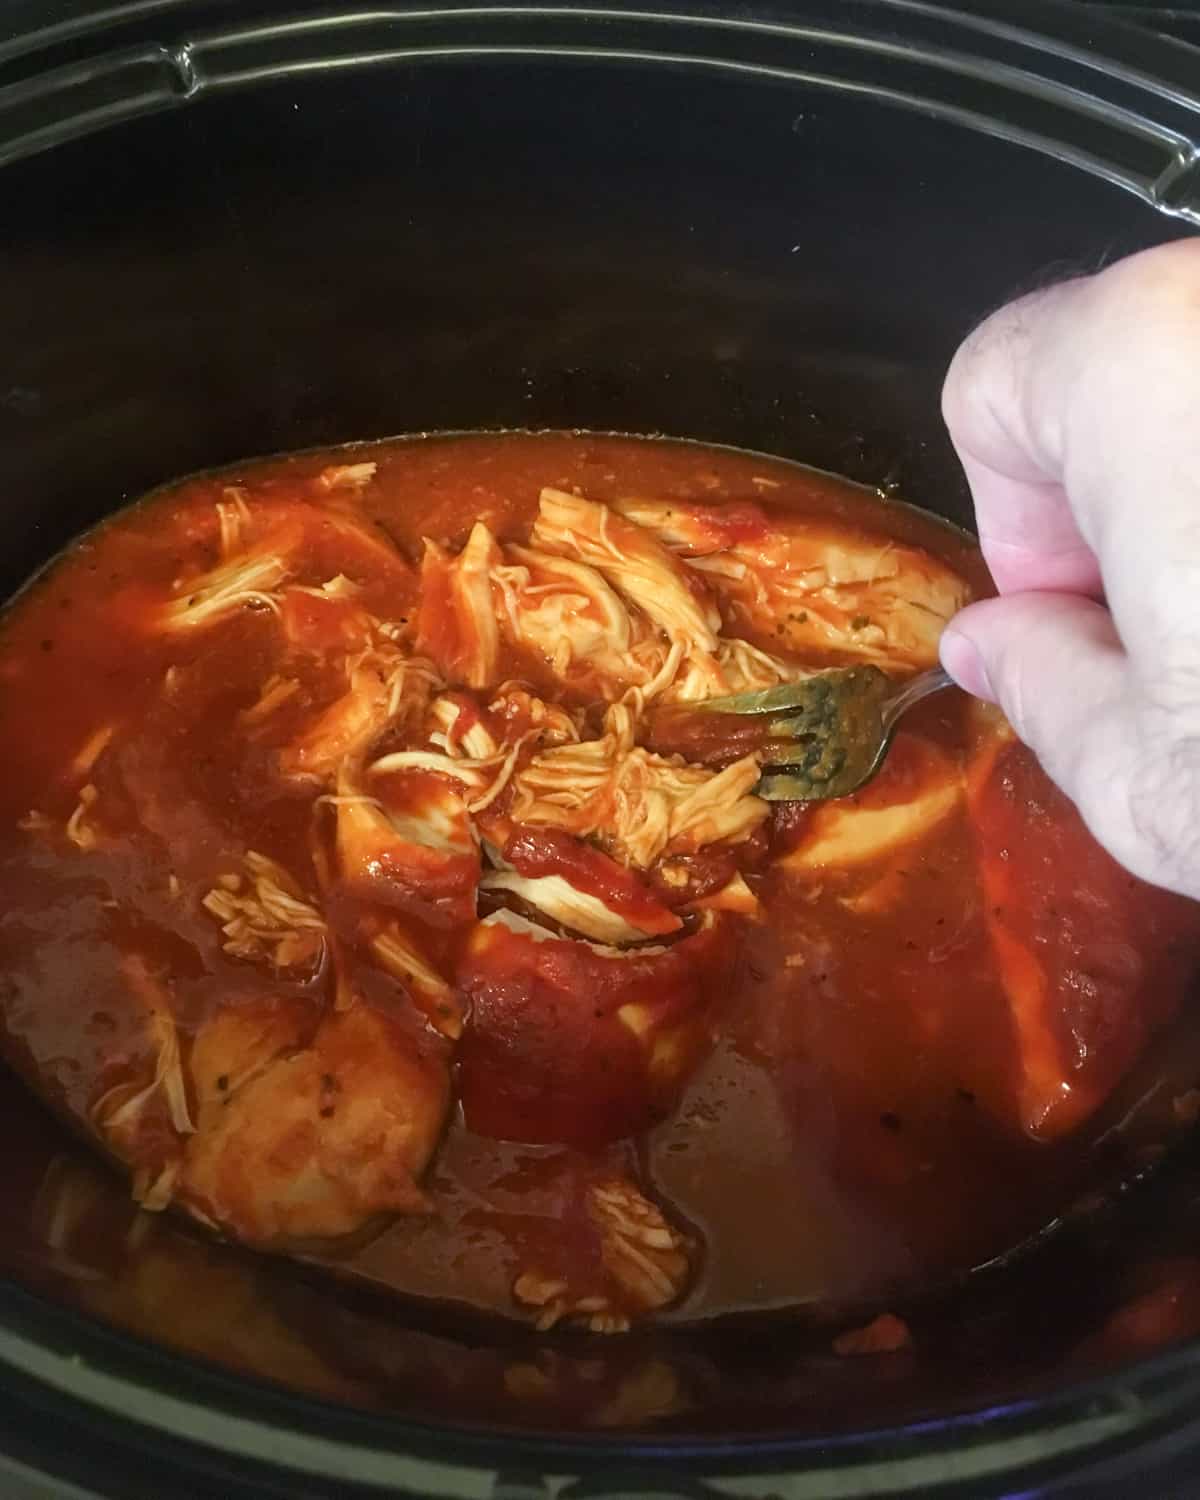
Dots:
pixel 168 71
pixel 102 1369
pixel 51 1323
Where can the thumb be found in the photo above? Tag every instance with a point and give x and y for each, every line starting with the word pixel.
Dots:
pixel 1049 660
pixel 1054 664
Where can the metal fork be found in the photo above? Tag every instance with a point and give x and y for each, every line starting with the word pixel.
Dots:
pixel 831 731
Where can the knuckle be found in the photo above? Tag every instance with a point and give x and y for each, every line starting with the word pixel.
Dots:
pixel 1157 285
pixel 1163 807
pixel 1014 700
pixel 1171 695
pixel 1027 707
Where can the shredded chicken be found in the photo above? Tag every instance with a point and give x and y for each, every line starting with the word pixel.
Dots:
pixel 233 520
pixel 516 715
pixel 397 952
pixel 416 848
pixel 92 749
pixel 598 599
pixel 265 918
pixel 118 1113
pixel 457 624
pixel 735 896
pixel 636 564
pixel 306 1100
pixel 646 1256
pixel 646 1263
pixel 486 778
pixel 471 773
pixel 275 691
pixel 339 587
pixel 153 1190
pixel 384 686
pixel 577 910
pixel 563 611
pixel 518 708
pixel 346 476
pixel 475 741
pixel 537 933
pixel 737 667
pixel 548 1295
pixel 811 584
pixel 250 580
pixel 546 597
pixel 80 829
pixel 122 1105
pixel 635 803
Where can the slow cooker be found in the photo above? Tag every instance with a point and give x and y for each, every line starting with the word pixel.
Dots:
pixel 236 228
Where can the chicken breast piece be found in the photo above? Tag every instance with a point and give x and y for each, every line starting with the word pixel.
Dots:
pixel 310 1141
pixel 563 612
pixel 636 564
pixel 812 585
pixel 1092 961
pixel 917 788
pixel 579 887
pixel 457 624
pixel 411 845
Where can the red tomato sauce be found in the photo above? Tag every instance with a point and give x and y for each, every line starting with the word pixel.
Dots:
pixel 897 1066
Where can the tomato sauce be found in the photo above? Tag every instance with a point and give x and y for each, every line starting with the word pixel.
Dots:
pixel 836 1055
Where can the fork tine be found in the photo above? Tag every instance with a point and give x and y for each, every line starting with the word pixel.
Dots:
pixel 831 732
pixel 806 755
pixel 804 694
pixel 817 719
pixel 784 787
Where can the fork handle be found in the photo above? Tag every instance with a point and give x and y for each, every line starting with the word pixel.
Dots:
pixel 913 691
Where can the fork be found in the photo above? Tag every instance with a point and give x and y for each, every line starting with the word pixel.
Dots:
pixel 831 731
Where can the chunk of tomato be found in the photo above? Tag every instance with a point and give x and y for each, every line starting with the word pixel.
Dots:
pixel 579 1044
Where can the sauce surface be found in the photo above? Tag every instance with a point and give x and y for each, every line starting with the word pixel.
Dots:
pixel 351 903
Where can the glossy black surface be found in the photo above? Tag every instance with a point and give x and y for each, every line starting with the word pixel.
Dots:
pixel 768 229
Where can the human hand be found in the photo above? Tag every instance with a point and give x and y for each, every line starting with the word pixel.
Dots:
pixel 1076 414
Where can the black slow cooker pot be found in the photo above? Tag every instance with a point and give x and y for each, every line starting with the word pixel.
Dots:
pixel 235 227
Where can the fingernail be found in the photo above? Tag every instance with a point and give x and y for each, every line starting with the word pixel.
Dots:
pixel 961 658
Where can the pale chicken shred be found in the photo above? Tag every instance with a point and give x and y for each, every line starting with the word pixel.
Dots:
pixel 264 915
pixel 645 1266
pixel 382 685
pixel 633 561
pixel 562 609
pixel 289 1118
pixel 458 625
pixel 814 585
pixel 636 804
pixel 251 579
pixel 600 601
pixel 417 839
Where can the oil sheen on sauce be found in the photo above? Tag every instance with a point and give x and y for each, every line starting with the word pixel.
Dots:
pixel 909 1054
